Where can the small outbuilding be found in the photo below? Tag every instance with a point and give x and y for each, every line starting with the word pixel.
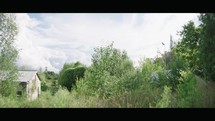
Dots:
pixel 29 85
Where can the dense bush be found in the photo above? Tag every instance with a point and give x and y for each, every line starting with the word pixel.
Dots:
pixel 70 73
pixel 51 75
pixel 111 60
pixel 188 95
pixel 108 67
pixel 8 88
pixel 43 79
pixel 176 65
pixel 143 97
pixel 165 100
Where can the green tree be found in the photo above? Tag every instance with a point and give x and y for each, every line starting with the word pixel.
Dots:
pixel 165 98
pixel 51 75
pixel 188 47
pixel 111 60
pixel 43 79
pixel 172 64
pixel 188 94
pixel 54 87
pixel 109 65
pixel 8 53
pixel 208 45
pixel 176 65
pixel 70 73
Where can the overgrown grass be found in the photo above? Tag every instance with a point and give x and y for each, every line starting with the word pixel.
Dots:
pixel 62 99
pixel 192 92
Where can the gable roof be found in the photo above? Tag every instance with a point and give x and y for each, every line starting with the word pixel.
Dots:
pixel 25 76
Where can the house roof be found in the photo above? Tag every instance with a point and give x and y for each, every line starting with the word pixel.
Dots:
pixel 25 76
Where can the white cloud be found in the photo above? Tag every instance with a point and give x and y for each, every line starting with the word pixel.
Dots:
pixel 59 38
pixel 32 54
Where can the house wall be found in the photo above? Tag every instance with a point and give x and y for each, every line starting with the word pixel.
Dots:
pixel 33 88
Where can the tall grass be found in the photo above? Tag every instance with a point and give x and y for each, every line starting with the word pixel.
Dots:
pixel 129 91
pixel 62 99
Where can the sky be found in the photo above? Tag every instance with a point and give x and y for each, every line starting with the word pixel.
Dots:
pixel 52 39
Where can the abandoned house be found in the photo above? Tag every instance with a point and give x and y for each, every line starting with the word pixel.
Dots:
pixel 29 84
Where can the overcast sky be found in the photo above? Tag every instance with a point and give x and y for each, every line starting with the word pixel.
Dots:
pixel 53 39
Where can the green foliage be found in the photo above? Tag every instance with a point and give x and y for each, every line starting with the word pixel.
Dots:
pixel 188 48
pixel 54 87
pixel 62 99
pixel 8 31
pixel 130 81
pixel 143 97
pixel 111 60
pixel 8 54
pixel 70 73
pixel 207 45
pixel 51 75
pixel 188 94
pixel 42 76
pixel 160 74
pixel 148 67
pixel 48 81
pixel 159 61
pixel 109 66
pixel 8 88
pixel 9 102
pixel 137 88
pixel 174 67
pixel 153 71
pixel 165 98
pixel 44 85
pixel 101 84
